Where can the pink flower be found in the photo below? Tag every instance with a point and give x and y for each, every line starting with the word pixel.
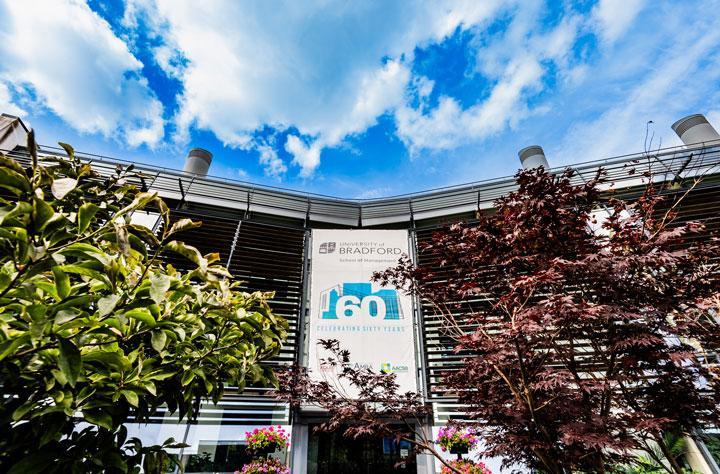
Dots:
pixel 467 466
pixel 265 466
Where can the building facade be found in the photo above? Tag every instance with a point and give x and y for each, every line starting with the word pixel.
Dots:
pixel 316 254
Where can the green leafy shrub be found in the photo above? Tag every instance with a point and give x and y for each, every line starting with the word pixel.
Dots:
pixel 96 331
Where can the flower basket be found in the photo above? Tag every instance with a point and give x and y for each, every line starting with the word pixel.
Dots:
pixel 264 466
pixel 465 466
pixel 456 440
pixel 264 441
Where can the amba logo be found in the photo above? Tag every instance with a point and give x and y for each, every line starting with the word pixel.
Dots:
pixel 328 247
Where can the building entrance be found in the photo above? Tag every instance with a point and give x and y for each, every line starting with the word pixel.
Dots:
pixel 332 453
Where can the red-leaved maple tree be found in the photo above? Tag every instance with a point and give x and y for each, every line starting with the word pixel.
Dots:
pixel 586 322
pixel 588 327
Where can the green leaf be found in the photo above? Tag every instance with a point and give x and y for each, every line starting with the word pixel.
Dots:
pixel 107 304
pixel 89 272
pixel 161 375
pixel 187 251
pixel 69 361
pixel 62 282
pixel 187 377
pixel 151 463
pixel 108 358
pixel 159 285
pixel 142 315
pixel 80 249
pixel 10 346
pixel 141 200
pixel 131 397
pixel 66 315
pixel 85 214
pixel 7 273
pixel 22 410
pixel 184 224
pixel 12 164
pixel 42 212
pixel 68 149
pixel 164 212
pixel 58 376
pixel 158 340
pixel 150 387
pixel 33 463
pixel 14 182
pixel 32 148
pixel 77 301
pixel 21 208
pixel 61 187
pixel 98 417
pixel 144 233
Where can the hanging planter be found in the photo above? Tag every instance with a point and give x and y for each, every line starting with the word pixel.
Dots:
pixel 465 466
pixel 264 441
pixel 456 440
pixel 264 466
pixel 459 449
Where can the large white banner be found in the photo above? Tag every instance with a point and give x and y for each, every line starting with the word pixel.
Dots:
pixel 374 323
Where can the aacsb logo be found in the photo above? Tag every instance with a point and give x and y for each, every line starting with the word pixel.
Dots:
pixel 388 368
pixel 359 300
pixel 328 247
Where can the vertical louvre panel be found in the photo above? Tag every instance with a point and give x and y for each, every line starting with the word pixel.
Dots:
pixel 270 258
pixel 440 357
pixel 263 258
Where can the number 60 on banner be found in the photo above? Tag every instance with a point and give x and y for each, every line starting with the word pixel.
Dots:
pixel 367 307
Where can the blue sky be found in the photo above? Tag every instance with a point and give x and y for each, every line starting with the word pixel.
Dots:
pixel 358 99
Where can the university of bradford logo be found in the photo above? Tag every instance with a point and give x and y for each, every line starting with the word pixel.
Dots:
pixel 328 247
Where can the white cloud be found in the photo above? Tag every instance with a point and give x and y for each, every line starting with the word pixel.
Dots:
pixel 327 69
pixel 668 84
pixel 273 164
pixel 305 156
pixel 65 57
pixel 6 103
pixel 612 18
pixel 374 193
pixel 513 62
pixel 713 117
pixel 448 126
pixel 170 61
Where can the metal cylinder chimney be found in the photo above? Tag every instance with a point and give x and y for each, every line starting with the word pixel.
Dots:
pixel 198 162
pixel 533 156
pixel 695 129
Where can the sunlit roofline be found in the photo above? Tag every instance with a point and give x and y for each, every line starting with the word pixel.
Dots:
pixel 585 166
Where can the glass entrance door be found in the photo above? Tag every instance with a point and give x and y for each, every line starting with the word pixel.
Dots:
pixel 331 453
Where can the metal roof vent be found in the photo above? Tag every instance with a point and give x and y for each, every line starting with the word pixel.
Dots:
pixel 533 156
pixel 198 162
pixel 695 129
